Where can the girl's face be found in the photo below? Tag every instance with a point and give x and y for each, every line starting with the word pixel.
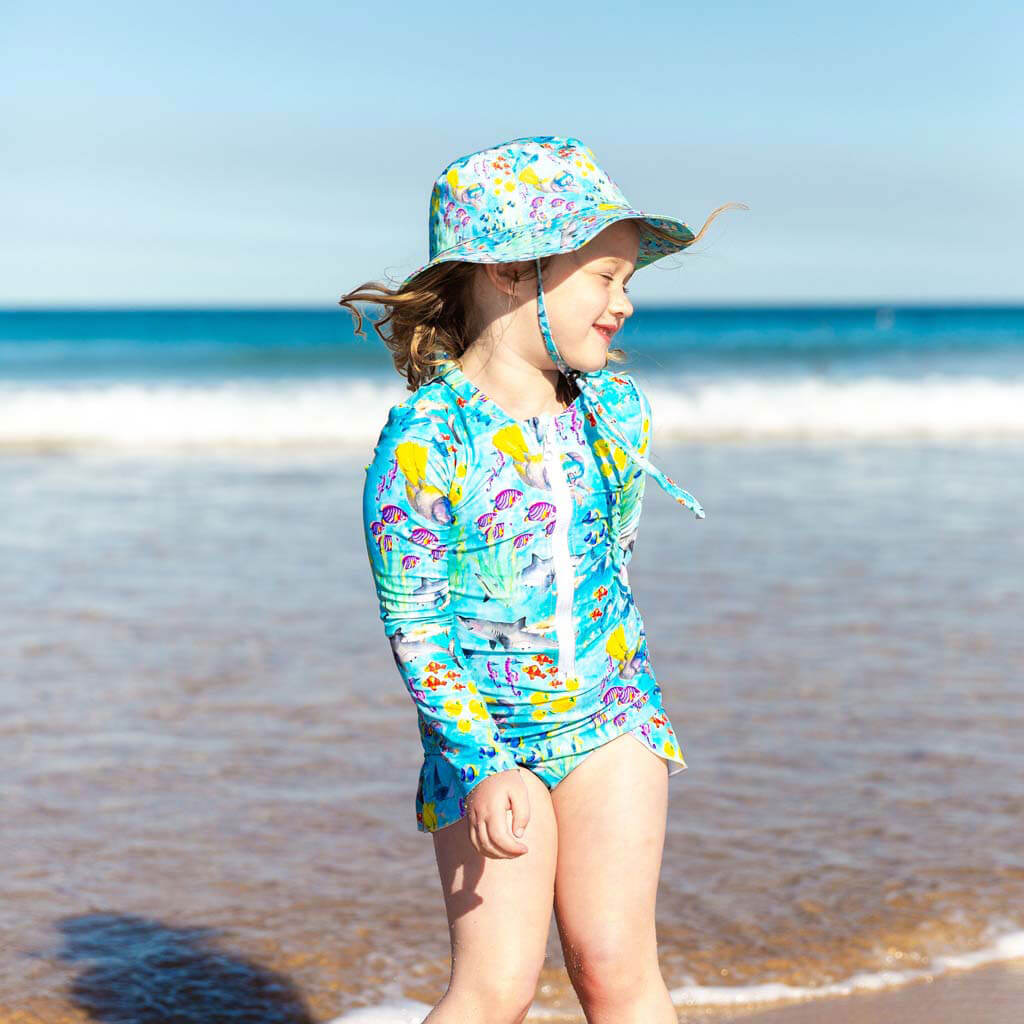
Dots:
pixel 585 291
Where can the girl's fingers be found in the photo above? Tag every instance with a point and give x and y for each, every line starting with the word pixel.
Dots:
pixel 487 847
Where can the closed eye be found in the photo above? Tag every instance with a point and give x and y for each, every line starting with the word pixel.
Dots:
pixel 611 277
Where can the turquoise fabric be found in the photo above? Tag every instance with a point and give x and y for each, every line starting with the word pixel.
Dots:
pixel 499 549
pixel 528 197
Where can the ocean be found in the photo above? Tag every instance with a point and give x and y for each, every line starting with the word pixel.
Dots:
pixel 265 379
pixel 210 761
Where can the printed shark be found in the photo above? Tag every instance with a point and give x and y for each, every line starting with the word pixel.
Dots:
pixel 511 635
pixel 539 573
pixel 405 650
pixel 433 588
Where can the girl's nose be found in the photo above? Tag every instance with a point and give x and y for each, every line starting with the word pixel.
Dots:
pixel 621 306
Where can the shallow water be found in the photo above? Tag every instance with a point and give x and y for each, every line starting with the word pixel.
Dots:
pixel 201 727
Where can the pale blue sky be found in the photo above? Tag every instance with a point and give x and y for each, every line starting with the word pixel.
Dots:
pixel 226 154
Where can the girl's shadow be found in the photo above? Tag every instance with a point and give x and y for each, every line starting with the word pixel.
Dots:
pixel 138 971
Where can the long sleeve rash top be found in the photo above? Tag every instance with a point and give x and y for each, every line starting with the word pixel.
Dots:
pixel 499 552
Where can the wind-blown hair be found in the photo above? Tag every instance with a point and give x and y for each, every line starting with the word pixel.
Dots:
pixel 433 318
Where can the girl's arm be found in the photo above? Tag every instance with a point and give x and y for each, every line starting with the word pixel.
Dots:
pixel 407 501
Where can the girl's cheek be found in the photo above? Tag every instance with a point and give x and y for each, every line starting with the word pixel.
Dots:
pixel 593 298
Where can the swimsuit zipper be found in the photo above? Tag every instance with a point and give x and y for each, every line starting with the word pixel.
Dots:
pixel 565 583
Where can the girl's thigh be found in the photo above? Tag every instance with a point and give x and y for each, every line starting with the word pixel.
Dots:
pixel 499 909
pixel 610 812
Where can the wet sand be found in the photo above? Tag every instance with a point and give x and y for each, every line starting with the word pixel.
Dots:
pixel 993 994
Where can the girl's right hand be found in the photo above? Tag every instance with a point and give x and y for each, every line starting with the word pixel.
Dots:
pixel 497 808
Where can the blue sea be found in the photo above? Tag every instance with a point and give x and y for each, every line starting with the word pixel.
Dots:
pixel 210 761
pixel 268 378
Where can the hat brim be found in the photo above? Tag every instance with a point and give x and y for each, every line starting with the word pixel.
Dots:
pixel 562 234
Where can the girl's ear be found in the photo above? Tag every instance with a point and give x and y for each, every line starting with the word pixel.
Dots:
pixel 503 277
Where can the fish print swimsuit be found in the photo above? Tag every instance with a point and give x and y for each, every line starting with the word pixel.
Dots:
pixel 499 552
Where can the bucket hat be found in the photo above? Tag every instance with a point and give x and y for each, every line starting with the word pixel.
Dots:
pixel 533 197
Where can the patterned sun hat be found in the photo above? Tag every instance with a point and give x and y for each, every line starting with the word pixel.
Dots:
pixel 533 197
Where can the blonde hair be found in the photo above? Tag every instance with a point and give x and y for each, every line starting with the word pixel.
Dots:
pixel 433 318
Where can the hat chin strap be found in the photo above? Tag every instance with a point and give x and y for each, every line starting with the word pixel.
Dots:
pixel 601 418
pixel 545 330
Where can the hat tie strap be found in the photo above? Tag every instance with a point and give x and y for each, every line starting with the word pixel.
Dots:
pixel 600 417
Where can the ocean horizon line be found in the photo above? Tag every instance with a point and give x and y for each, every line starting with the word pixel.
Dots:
pixel 956 305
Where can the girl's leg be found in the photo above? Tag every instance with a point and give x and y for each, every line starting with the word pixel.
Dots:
pixel 499 916
pixel 611 830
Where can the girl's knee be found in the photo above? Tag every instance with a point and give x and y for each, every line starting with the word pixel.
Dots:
pixel 610 972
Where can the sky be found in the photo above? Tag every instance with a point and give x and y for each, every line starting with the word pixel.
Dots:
pixel 220 154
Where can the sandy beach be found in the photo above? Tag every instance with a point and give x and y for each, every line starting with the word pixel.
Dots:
pixel 993 994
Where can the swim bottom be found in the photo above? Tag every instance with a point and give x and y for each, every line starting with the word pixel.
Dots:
pixel 438 802
pixel 555 769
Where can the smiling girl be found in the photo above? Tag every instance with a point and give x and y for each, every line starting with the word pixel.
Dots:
pixel 500 508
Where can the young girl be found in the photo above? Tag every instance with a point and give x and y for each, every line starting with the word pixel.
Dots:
pixel 500 510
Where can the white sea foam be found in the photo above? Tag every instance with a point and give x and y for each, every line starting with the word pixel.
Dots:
pixel 925 408
pixel 1007 947
pixel 404 1011
pixel 314 413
